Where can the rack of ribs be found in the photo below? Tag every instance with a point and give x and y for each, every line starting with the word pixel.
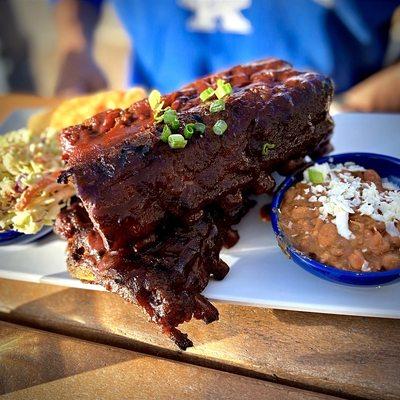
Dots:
pixel 154 219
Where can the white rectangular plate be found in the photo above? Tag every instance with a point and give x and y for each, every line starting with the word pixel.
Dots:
pixel 260 274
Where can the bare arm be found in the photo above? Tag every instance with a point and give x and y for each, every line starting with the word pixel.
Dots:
pixel 380 92
pixel 76 23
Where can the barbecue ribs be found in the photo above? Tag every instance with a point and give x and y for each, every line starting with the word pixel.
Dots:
pixel 154 219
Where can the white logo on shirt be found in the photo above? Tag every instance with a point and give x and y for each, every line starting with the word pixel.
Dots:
pixel 218 15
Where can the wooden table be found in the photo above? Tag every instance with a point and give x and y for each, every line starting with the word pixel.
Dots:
pixel 58 342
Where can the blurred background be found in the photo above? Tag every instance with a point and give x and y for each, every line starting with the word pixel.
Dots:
pixel 34 22
pixel 355 41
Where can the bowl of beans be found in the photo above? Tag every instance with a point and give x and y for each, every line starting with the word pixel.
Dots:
pixel 339 218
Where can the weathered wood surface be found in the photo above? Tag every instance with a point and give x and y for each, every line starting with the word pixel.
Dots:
pixel 41 365
pixel 357 357
pixel 349 356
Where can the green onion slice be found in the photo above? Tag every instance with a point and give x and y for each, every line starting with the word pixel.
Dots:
pixel 188 131
pixel 159 113
pixel 219 92
pixel 206 94
pixel 220 127
pixel 266 148
pixel 171 119
pixel 176 141
pixel 199 127
pixel 154 99
pixel 217 106
pixel 315 176
pixel 166 133
pixel 223 90
pixel 227 88
pixel 159 118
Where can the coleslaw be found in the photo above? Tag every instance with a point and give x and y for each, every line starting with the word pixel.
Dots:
pixel 30 196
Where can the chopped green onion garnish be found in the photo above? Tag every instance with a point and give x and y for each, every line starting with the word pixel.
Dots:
pixel 159 118
pixel 156 105
pixel 199 127
pixel 159 112
pixel 266 148
pixel 171 119
pixel 220 127
pixel 188 131
pixel 223 90
pixel 176 141
pixel 154 99
pixel 217 106
pixel 166 133
pixel 206 94
pixel 219 92
pixel 315 176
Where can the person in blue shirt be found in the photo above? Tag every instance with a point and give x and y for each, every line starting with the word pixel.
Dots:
pixel 177 41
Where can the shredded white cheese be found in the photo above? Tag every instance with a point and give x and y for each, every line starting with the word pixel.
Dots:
pixel 390 185
pixel 343 193
pixel 391 229
pixel 365 267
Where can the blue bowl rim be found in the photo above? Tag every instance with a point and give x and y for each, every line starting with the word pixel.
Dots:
pixel 9 235
pixel 277 200
pixel 15 237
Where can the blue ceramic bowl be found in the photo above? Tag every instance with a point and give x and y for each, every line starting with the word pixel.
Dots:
pixel 14 237
pixel 386 166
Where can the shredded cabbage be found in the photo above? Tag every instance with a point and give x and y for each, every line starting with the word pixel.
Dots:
pixel 30 196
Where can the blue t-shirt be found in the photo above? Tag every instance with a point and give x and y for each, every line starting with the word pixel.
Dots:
pixel 176 41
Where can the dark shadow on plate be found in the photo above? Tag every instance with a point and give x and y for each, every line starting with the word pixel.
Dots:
pixel 47 239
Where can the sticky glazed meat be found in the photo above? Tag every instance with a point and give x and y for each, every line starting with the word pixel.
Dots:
pixel 130 181
pixel 151 220
pixel 166 277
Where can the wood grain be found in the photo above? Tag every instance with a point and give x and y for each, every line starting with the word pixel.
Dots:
pixel 40 365
pixel 349 356
pixel 353 356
